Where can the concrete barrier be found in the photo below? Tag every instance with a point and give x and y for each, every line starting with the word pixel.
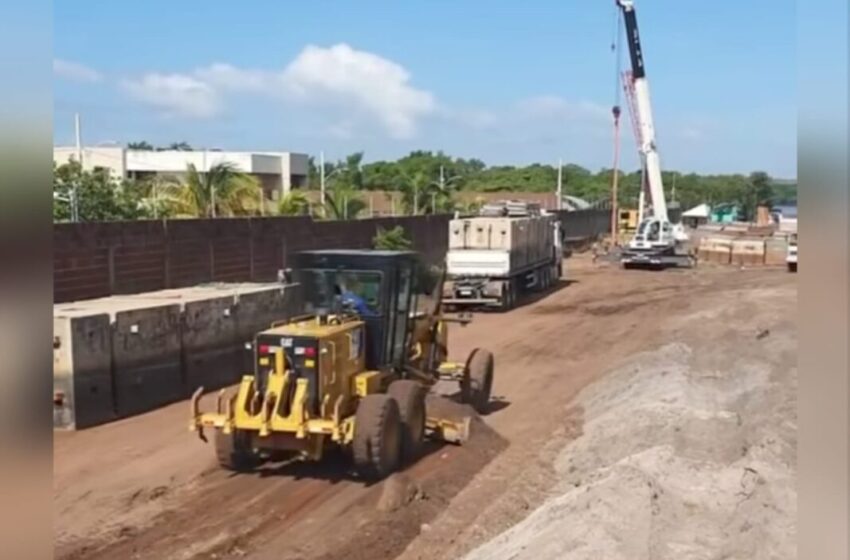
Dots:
pixel 123 355
pixel 82 369
pixel 715 250
pixel 775 251
pixel 749 252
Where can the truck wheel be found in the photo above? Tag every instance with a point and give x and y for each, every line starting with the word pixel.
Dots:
pixel 410 396
pixel 508 296
pixel 233 451
pixel 477 380
pixel 377 436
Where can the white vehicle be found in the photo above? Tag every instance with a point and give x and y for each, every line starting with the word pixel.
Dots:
pixel 509 249
pixel 791 257
pixel 657 241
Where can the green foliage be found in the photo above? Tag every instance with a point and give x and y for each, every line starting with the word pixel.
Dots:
pixel 293 204
pixel 100 196
pixel 393 239
pixel 139 146
pixel 226 189
pixel 343 202
pixel 179 146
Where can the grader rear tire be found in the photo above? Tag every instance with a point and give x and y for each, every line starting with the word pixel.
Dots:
pixel 477 380
pixel 410 396
pixel 377 437
pixel 233 451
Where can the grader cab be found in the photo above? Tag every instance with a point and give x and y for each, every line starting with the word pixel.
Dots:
pixel 352 371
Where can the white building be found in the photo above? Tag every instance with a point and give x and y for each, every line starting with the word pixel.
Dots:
pixel 278 172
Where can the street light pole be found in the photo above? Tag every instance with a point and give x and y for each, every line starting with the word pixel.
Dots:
pixel 560 203
pixel 322 179
pixel 75 206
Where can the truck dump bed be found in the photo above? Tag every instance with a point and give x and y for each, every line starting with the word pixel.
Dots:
pixel 487 245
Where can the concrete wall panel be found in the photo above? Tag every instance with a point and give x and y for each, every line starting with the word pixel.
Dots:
pixel 146 358
pixel 82 378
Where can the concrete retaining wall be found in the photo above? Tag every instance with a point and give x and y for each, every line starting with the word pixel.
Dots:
pixel 123 355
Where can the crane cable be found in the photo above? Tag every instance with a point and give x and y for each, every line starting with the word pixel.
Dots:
pixel 615 112
pixel 617 49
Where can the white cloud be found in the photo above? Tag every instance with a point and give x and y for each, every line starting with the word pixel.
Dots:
pixel 556 107
pixel 74 71
pixel 175 94
pixel 361 81
pixel 229 77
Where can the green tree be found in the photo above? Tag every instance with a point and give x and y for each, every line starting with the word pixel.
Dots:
pixel 139 146
pixel 99 195
pixel 394 239
pixel 343 202
pixel 293 204
pixel 221 191
pixel 179 146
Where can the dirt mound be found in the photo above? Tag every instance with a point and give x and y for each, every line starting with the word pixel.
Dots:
pixel 676 461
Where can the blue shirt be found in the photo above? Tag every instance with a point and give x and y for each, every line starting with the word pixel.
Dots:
pixel 357 302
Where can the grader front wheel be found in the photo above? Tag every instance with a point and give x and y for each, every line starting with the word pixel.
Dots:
pixel 410 396
pixel 377 436
pixel 477 382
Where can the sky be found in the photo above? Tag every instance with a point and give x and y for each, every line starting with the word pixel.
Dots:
pixel 507 82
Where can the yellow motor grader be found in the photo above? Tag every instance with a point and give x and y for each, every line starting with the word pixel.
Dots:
pixel 353 371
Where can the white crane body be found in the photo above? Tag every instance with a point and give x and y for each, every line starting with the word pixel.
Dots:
pixel 656 240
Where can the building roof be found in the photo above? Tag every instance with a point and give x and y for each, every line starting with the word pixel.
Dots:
pixel 699 211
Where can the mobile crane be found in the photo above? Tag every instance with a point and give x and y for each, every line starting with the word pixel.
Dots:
pixel 657 241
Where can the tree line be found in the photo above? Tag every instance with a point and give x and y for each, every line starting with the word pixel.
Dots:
pixel 422 173
pixel 424 181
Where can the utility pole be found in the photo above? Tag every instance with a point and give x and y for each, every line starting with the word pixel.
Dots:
pixel 75 206
pixel 209 183
pixel 433 203
pixel 322 180
pixel 415 199
pixel 560 202
pixel 442 178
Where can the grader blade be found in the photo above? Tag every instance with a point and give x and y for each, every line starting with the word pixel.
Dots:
pixel 449 430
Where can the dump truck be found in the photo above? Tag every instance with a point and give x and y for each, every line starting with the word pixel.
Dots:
pixel 509 249
pixel 352 371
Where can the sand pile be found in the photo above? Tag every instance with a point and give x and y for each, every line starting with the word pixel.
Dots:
pixel 678 459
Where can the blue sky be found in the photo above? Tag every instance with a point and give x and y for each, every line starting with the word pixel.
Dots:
pixel 505 81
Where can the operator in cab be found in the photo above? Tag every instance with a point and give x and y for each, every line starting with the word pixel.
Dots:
pixel 346 291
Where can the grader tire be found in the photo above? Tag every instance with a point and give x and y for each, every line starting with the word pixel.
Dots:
pixel 376 446
pixel 233 451
pixel 410 397
pixel 478 380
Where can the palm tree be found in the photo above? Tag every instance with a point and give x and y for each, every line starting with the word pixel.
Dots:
pixel 293 204
pixel 343 202
pixel 421 195
pixel 221 191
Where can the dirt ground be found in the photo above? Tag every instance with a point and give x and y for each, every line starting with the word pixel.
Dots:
pixel 147 488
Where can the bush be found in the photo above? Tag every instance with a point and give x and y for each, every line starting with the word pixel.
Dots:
pixel 391 239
